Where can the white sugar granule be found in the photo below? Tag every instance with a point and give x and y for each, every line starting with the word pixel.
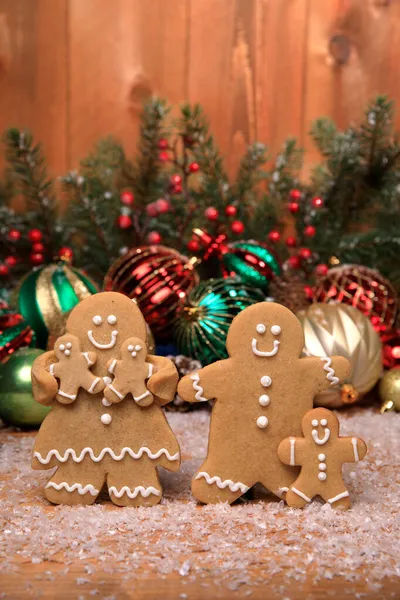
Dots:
pixel 238 547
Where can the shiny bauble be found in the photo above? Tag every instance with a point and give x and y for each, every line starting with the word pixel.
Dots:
pixel 389 390
pixel 15 333
pixel 17 406
pixel 341 330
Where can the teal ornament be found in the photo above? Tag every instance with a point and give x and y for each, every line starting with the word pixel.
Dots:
pixel 254 263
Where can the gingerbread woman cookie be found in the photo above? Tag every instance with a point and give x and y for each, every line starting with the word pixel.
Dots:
pixel 130 374
pixel 320 454
pixel 262 391
pixel 91 440
pixel 73 370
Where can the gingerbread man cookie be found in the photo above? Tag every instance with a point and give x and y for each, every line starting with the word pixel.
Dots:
pixel 262 391
pixel 73 370
pixel 92 440
pixel 130 374
pixel 320 454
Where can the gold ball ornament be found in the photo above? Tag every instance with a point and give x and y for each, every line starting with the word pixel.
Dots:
pixel 341 330
pixel 389 390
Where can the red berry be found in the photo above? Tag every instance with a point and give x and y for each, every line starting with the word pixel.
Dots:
pixel 308 292
pixel 230 210
pixel 163 144
pixel 176 179
pixel 35 235
pixel 177 189
pixel 124 222
pixel 294 262
pixel 274 236
pixel 293 207
pixel 291 242
pixel 211 213
pixel 310 231
pixel 194 167
pixel 193 246
pixel 36 258
pixel 152 209
pixel 66 253
pixel 14 235
pixel 10 261
pixel 154 237
pixel 317 202
pixel 38 247
pixel 127 198
pixel 305 253
pixel 237 227
pixel 162 205
pixel 295 194
pixel 4 271
pixel 321 269
pixel 163 156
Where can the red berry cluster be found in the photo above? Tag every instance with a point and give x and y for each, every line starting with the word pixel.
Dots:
pixel 124 221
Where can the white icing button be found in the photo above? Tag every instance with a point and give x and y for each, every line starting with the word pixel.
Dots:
pixel 321 457
pixel 62 347
pixel 264 400
pixel 138 348
pixel 130 348
pixel 324 422
pixel 69 345
pixel 262 422
pixel 266 381
pixel 275 330
pixel 106 419
pixel 105 402
pixel 322 476
pixel 322 466
pixel 134 354
pixel 107 380
pixel 97 320
pixel 112 319
pixel 261 328
pixel 67 352
pixel 314 423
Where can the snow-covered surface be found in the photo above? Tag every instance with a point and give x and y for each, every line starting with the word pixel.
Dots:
pixel 239 547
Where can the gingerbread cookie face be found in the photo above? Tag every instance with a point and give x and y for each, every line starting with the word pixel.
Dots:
pixel 320 454
pixel 106 424
pixel 262 391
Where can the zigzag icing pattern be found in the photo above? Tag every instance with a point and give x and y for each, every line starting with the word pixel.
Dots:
pixel 196 386
pixel 330 372
pixel 74 487
pixel 70 453
pixel 232 485
pixel 145 492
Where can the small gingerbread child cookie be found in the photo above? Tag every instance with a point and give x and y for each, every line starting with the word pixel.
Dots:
pixel 320 454
pixel 73 370
pixel 130 373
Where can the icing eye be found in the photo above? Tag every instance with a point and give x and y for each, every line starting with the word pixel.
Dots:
pixel 130 348
pixel 138 348
pixel 324 422
pixel 69 345
pixel 275 330
pixel 261 328
pixel 62 347
pixel 112 319
pixel 314 423
pixel 97 320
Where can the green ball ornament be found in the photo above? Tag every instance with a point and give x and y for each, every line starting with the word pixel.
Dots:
pixel 17 406
pixel 255 264
pixel 202 323
pixel 47 294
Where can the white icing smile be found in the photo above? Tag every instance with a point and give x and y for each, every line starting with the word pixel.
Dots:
pixel 110 344
pixel 258 352
pixel 321 441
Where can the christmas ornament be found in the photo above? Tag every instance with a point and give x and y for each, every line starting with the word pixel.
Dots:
pixel 14 235
pixel 124 222
pixel 310 231
pixel 162 205
pixel 321 270
pixel 36 258
pixel 291 242
pixel 294 262
pixel 4 271
pixel 305 253
pixel 389 390
pixel 35 235
pixel 15 333
pixel 254 263
pixel 47 294
pixel 162 143
pixel 274 236
pixel 293 207
pixel 176 179
pixel 17 406
pixel 237 227
pixel 338 329
pixel 11 261
pixel 158 278
pixel 290 290
pixel 317 202
pixel 194 167
pixel 193 246
pixel 127 198
pixel 163 156
pixel 362 288
pixel 230 210
pixel 391 348
pixel 295 194
pixel 211 213
pixel 66 253
pixel 202 323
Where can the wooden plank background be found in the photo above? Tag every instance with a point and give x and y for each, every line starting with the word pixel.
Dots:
pixel 73 71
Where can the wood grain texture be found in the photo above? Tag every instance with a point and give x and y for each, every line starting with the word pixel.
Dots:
pixel 77 70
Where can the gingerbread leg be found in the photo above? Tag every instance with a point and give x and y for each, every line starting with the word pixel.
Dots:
pixel 74 483
pixel 279 478
pixel 67 393
pixel 300 493
pixel 340 499
pixel 114 392
pixel 211 486
pixel 134 482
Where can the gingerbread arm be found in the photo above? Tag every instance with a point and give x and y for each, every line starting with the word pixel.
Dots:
pixel 163 380
pixel 44 385
pixel 327 371
pixel 352 449
pixel 202 385
pixel 91 357
pixel 291 450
